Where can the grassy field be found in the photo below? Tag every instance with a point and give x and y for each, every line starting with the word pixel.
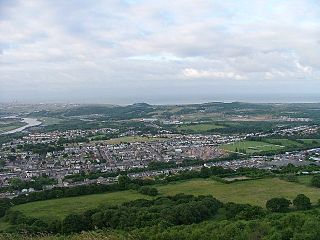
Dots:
pixel 131 139
pixel 199 116
pixel 11 126
pixel 61 207
pixel 284 142
pixel 310 140
pixel 255 192
pixel 198 128
pixel 305 179
pixel 50 121
pixel 250 146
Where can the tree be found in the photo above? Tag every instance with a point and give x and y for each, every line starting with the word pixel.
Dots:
pixel 14 217
pixel 98 220
pixel 18 184
pixel 4 206
pixel 2 163
pixel 315 181
pixel 278 204
pixel 302 202
pixel 205 172
pixel 74 223
pixel 243 211
pixel 123 181
pixel 292 178
pixel 12 158
pixel 148 191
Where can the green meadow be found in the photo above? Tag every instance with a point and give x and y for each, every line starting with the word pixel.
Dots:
pixel 255 192
pixel 251 146
pixel 130 139
pixel 198 128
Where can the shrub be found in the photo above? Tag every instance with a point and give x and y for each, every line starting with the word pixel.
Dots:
pixel 315 181
pixel 149 191
pixel 302 202
pixel 278 205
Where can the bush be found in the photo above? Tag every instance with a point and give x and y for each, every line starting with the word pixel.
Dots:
pixel 291 178
pixel 278 205
pixel 74 223
pixel 243 211
pixel 315 181
pixel 149 191
pixel 302 202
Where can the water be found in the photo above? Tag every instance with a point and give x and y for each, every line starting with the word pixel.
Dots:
pixel 31 122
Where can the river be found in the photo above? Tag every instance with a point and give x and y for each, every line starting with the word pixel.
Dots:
pixel 31 122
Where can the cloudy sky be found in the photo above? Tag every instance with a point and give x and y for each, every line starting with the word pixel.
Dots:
pixel 179 51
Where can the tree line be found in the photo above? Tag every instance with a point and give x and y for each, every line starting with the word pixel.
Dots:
pixel 41 148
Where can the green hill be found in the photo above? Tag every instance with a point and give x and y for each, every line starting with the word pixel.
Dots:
pixel 255 192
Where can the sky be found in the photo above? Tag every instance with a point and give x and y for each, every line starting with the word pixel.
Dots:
pixel 181 51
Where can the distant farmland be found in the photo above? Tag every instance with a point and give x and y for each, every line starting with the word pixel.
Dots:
pixel 251 146
pixel 11 126
pixel 198 128
pixel 131 139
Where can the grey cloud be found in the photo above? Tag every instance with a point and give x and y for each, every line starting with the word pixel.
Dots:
pixel 119 47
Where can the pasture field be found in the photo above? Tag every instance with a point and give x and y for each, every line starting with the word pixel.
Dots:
pixel 131 139
pixel 59 208
pixel 251 146
pixel 284 142
pixel 11 126
pixel 198 128
pixel 203 117
pixel 308 141
pixel 305 179
pixel 255 192
pixel 50 120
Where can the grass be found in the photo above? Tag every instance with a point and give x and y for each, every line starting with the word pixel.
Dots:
pixel 284 142
pixel 131 139
pixel 59 208
pixel 198 128
pixel 305 179
pixel 250 146
pixel 309 141
pixel 50 120
pixel 11 126
pixel 203 117
pixel 3 225
pixel 255 192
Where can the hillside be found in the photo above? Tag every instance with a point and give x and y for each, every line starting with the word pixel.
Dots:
pixel 255 192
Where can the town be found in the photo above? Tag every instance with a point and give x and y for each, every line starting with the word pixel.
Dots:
pixel 60 154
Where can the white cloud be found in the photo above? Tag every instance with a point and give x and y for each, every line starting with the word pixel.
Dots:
pixel 152 44
pixel 194 73
pixel 304 69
